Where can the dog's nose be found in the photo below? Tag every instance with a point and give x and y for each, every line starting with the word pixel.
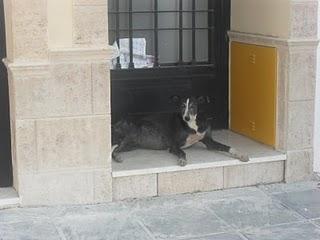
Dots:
pixel 187 118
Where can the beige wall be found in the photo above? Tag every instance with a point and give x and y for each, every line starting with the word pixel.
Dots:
pixel 9 40
pixel 60 23
pixel 261 17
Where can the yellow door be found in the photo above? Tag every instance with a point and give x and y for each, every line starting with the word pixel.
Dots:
pixel 253 91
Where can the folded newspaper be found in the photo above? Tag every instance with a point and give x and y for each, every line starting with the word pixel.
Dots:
pixel 140 57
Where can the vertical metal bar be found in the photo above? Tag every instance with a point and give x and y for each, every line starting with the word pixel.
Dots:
pixel 193 32
pixel 211 32
pixel 118 65
pixel 156 35
pixel 180 32
pixel 131 64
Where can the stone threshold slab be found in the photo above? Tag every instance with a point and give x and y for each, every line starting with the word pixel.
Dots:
pixel 142 162
pixel 8 198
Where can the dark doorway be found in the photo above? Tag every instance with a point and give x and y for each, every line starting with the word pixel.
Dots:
pixel 5 142
pixel 187 43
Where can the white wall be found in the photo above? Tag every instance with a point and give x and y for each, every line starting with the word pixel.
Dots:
pixel 269 17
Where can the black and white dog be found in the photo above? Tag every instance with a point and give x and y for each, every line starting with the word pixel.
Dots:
pixel 172 132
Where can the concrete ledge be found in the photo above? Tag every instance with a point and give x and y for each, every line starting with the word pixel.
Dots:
pixel 272 41
pixel 8 198
pixel 143 162
pixel 198 180
pixel 253 174
pixel 88 54
pixel 202 180
pixel 134 187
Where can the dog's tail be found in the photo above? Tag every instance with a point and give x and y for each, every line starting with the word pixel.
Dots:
pixel 119 131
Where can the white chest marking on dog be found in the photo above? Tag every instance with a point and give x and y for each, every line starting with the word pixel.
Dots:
pixel 193 123
pixel 193 138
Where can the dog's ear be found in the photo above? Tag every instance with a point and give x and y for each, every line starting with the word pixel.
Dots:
pixel 177 100
pixel 201 100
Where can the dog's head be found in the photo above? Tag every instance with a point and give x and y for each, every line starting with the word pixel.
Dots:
pixel 189 109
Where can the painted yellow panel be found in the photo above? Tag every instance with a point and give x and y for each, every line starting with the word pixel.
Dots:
pixel 253 91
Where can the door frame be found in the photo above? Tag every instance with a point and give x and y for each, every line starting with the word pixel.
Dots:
pixel 6 175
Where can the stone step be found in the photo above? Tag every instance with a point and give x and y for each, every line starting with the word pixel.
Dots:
pixel 8 198
pixel 154 173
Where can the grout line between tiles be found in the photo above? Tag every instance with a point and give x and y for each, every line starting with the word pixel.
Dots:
pixel 291 209
pixel 235 230
pixel 146 230
pixel 157 184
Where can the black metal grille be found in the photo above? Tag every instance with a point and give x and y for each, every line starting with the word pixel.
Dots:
pixel 187 39
pixel 187 18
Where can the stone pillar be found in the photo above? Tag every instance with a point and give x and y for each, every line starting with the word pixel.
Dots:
pixel 60 101
pixel 300 88
pixel 297 49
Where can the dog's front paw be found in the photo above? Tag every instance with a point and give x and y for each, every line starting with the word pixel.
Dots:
pixel 182 162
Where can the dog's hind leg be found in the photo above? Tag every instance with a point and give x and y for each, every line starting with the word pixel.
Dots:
pixel 124 146
pixel 182 160
pixel 213 145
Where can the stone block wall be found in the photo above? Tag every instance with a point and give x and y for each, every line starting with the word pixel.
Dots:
pixel 60 105
pixel 300 101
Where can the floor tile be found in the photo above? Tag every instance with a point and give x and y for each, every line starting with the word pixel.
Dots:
pixel 186 222
pixel 201 199
pixel 306 203
pixel 27 214
pixel 259 214
pixel 291 187
pixel 317 222
pixel 253 212
pixel 28 230
pixel 101 227
pixel 223 236
pixel 296 231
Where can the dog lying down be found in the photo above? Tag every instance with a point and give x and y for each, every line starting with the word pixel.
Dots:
pixel 173 132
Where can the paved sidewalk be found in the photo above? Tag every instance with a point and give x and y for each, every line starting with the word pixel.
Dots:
pixel 273 212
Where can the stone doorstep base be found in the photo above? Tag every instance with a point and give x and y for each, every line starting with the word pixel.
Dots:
pixel 8 198
pixel 197 180
pixel 179 182
pixel 155 173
